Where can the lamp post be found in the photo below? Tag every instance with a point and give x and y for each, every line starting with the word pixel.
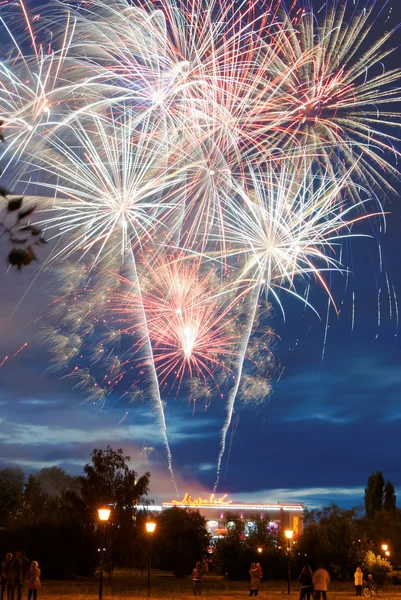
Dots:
pixel 260 550
pixel 150 528
pixel 385 549
pixel 104 514
pixel 288 534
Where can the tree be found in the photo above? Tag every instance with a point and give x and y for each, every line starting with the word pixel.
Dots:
pixel 109 481
pixel 34 504
pixel 260 534
pixel 232 556
pixel 54 480
pixel 11 493
pixel 180 533
pixel 332 538
pixel 374 493
pixel 384 527
pixel 255 542
pixel 389 502
pixel 48 508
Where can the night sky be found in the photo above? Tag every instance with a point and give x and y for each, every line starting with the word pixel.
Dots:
pixel 333 418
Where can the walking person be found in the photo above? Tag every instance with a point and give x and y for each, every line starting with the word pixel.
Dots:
pixel 33 578
pixel 358 580
pixel 5 567
pixel 320 581
pixel 197 575
pixel 255 575
pixel 306 581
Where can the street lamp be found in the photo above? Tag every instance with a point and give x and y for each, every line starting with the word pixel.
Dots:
pixel 104 514
pixel 385 547
pixel 150 528
pixel 288 534
pixel 260 550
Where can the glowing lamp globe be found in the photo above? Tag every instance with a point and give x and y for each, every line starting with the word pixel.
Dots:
pixel 104 514
pixel 288 534
pixel 150 527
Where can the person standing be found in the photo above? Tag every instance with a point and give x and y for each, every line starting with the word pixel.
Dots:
pixel 306 579
pixel 320 581
pixel 254 574
pixel 5 567
pixel 197 575
pixel 358 579
pixel 14 578
pixel 33 578
pixel 16 575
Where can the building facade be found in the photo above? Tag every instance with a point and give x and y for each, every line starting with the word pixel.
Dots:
pixel 221 514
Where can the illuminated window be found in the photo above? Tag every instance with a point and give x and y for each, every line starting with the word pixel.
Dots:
pixel 249 527
pixel 212 526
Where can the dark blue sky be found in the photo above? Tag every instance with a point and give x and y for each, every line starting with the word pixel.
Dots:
pixel 328 425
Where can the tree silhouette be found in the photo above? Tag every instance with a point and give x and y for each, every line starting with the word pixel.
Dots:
pixel 389 502
pixel 374 493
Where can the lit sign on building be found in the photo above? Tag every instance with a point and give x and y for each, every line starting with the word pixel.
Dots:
pixel 211 501
pixel 295 526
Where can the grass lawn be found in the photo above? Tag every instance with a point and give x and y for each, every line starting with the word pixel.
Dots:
pixel 126 584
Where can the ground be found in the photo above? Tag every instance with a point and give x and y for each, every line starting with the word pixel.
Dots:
pixel 134 585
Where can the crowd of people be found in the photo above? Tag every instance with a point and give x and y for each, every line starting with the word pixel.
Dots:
pixel 16 570
pixel 313 584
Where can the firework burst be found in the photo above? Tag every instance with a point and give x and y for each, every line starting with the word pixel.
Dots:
pixel 192 330
pixel 195 163
pixel 285 226
pixel 340 101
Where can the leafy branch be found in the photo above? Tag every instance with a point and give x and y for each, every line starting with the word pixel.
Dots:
pixel 21 234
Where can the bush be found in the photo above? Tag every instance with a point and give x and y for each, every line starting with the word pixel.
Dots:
pixel 380 568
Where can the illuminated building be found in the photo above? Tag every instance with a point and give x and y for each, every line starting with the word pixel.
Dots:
pixel 222 514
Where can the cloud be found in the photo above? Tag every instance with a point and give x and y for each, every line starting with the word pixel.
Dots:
pixel 206 467
pixel 361 385
pixel 97 430
pixel 36 402
pixel 312 497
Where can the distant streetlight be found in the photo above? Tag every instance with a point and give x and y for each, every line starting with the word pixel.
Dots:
pixel 150 528
pixel 385 547
pixel 260 550
pixel 104 515
pixel 289 534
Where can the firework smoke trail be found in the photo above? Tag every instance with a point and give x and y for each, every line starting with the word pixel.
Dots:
pixel 111 196
pixel 154 380
pixel 234 391
pixel 284 226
